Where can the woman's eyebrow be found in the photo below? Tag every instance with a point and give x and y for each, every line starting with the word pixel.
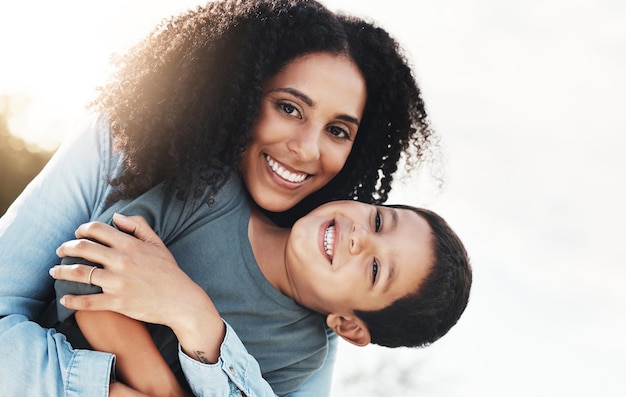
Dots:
pixel 304 98
pixel 295 93
pixel 349 119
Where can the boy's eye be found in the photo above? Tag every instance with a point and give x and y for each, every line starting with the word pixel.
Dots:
pixel 374 271
pixel 377 222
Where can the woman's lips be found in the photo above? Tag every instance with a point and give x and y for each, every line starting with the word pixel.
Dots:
pixel 282 172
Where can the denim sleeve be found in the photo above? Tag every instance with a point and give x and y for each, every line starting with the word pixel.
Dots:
pixel 237 371
pixel 69 191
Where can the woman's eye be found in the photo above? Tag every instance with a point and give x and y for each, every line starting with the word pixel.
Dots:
pixel 339 132
pixel 374 271
pixel 289 109
pixel 377 222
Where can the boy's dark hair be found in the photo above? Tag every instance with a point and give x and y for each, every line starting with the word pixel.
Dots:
pixel 182 102
pixel 421 318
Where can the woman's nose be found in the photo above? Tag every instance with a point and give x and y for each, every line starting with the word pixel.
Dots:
pixel 305 144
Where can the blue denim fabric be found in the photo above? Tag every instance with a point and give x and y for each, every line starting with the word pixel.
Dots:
pixel 243 370
pixel 71 190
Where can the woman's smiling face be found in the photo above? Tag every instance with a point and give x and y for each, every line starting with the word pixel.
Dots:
pixel 347 255
pixel 308 120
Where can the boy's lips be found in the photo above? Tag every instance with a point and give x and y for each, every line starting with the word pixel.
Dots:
pixel 329 240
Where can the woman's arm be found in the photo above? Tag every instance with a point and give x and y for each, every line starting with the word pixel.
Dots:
pixel 35 360
pixel 162 294
pixel 212 356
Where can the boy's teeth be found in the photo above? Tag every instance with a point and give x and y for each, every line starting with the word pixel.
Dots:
pixel 329 240
pixel 283 173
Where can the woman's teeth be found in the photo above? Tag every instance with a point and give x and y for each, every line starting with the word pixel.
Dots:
pixel 292 177
pixel 329 241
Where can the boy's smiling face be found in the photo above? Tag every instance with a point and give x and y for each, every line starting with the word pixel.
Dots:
pixel 347 255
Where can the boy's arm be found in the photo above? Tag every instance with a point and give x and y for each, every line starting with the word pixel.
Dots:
pixel 138 362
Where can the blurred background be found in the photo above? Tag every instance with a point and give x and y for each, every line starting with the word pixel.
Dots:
pixel 529 99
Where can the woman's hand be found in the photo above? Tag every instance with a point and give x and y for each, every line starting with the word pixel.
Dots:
pixel 141 279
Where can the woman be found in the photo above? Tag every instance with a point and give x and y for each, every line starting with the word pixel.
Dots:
pixel 185 103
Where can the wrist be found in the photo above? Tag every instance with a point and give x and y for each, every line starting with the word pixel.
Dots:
pixel 201 332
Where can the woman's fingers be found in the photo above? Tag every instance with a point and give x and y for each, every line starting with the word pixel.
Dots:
pixel 90 250
pixel 138 227
pixel 140 278
pixel 88 275
pixel 103 233
pixel 103 243
pixel 85 274
pixel 93 302
pixel 131 228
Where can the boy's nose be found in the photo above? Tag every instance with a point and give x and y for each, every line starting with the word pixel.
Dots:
pixel 357 239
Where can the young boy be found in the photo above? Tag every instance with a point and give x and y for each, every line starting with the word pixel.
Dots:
pixel 393 276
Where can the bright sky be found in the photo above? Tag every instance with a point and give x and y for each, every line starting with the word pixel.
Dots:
pixel 529 97
pixel 54 53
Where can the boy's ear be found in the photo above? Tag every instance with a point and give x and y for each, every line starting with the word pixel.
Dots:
pixel 350 328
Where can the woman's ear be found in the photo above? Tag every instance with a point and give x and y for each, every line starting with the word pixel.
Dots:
pixel 350 328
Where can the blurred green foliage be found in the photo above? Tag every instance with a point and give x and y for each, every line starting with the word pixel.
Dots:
pixel 20 161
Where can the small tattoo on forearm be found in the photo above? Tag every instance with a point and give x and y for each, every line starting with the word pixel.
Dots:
pixel 200 356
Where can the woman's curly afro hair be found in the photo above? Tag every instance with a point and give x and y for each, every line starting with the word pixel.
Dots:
pixel 182 102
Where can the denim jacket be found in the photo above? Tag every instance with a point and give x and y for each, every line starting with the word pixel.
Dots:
pixel 69 191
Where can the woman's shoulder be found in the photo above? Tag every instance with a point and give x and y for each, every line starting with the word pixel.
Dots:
pixel 228 191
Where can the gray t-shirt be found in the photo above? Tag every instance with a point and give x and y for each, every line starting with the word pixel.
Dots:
pixel 210 243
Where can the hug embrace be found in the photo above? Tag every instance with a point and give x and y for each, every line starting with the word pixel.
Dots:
pixel 223 210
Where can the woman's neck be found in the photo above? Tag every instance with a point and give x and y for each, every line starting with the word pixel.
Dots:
pixel 268 243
